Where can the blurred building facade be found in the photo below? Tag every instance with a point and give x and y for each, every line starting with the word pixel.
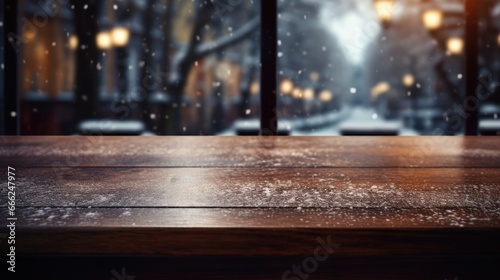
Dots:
pixel 211 98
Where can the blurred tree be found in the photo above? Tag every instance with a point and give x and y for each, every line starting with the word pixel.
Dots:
pixel 250 66
pixel 250 71
pixel 195 50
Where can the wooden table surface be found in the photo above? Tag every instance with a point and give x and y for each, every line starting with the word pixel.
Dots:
pixel 268 200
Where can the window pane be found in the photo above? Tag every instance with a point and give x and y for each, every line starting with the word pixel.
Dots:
pixel 371 67
pixel 155 66
pixel 489 61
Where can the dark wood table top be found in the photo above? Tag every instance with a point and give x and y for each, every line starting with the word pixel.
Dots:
pixel 232 152
pixel 255 196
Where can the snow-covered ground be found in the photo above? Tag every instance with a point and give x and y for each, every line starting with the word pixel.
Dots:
pixel 359 118
pixel 330 124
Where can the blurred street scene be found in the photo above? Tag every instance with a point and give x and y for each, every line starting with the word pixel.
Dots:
pixel 175 67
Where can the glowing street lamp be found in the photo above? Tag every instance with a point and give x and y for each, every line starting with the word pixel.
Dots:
pixel 326 96
pixel 433 19
pixel 73 42
pixel 408 80
pixel 385 11
pixel 286 87
pixel 120 36
pixel 308 94
pixel 104 41
pixel 380 89
pixel 314 76
pixel 297 93
pixel 255 88
pixel 455 46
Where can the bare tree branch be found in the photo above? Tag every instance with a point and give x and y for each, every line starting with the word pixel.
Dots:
pixel 184 60
pixel 224 42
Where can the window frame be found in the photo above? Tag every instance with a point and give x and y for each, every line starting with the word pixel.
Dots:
pixel 269 56
pixel 11 69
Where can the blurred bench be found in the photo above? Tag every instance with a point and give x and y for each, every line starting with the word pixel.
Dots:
pixel 112 128
pixel 252 128
pixel 489 127
pixel 370 129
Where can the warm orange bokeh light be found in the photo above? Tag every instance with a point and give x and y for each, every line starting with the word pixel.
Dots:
pixel 408 80
pixel 433 19
pixel 455 46
pixel 120 36
pixel 309 94
pixel 326 96
pixel 385 10
pixel 255 88
pixel 73 42
pixel 297 93
pixel 314 76
pixel 103 41
pixel 379 89
pixel 286 87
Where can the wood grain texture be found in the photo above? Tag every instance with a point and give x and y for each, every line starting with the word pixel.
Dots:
pixel 279 218
pixel 257 231
pixel 268 242
pixel 417 188
pixel 251 207
pixel 233 152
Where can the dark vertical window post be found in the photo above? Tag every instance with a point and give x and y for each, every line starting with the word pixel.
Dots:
pixel 2 69
pixel 12 49
pixel 471 53
pixel 269 45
